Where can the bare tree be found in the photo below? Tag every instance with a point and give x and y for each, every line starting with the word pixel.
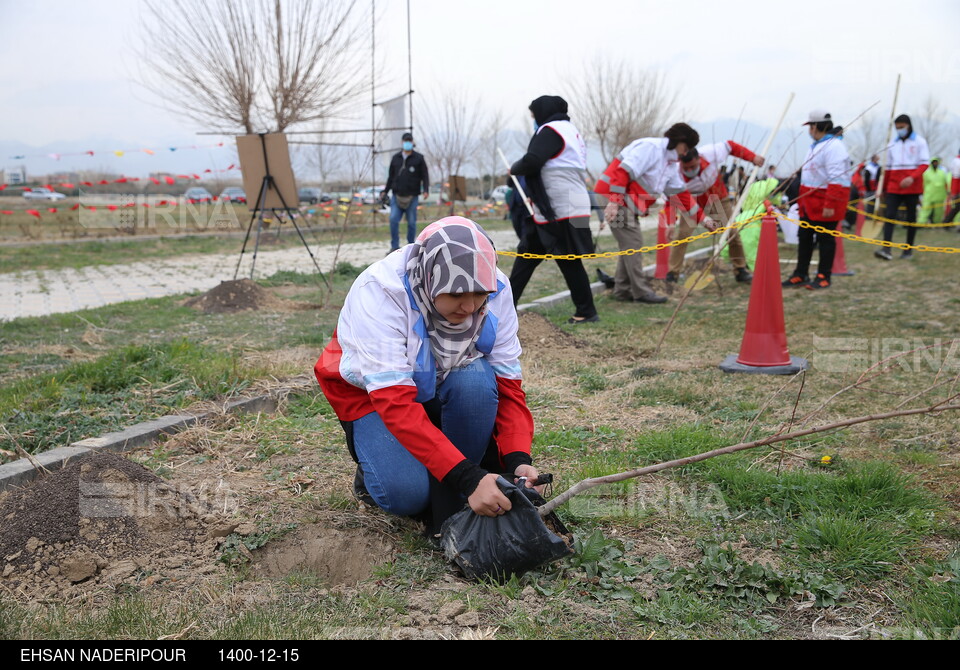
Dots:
pixel 931 124
pixel 448 124
pixel 309 59
pixel 867 138
pixel 261 65
pixel 614 103
pixel 492 145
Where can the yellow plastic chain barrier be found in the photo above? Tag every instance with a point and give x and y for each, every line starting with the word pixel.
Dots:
pixel 868 240
pixel 630 252
pixel 899 223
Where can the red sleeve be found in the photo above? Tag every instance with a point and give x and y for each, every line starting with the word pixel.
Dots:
pixel 836 199
pixel 955 187
pixel 406 419
pixel 740 151
pixel 613 185
pixel 918 173
pixel 514 425
pixel 688 204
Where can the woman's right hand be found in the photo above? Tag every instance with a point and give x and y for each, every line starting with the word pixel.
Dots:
pixel 487 499
pixel 610 213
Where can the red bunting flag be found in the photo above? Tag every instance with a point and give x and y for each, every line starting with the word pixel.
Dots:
pixel 131 204
pixel 91 208
pixel 52 210
pixel 75 207
pixel 5 211
pixel 112 207
pixel 154 180
pixel 196 176
pixel 67 186
pixel 48 187
pixel 207 170
pixel 87 183
pixel 162 202
pixel 33 212
pixel 103 181
pixel 170 180
pixel 2 186
pixel 145 205
pixel 122 180
pixel 182 176
pixel 89 153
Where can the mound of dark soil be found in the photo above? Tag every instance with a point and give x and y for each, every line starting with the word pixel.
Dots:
pixel 103 518
pixel 239 295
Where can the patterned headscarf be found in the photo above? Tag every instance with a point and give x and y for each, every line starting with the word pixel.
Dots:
pixel 452 255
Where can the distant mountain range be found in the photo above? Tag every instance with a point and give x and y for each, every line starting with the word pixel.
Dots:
pixel 787 151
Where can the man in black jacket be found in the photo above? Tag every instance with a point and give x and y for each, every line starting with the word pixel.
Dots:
pixel 407 178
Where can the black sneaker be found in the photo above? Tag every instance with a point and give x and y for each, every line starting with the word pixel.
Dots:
pixel 590 319
pixel 743 275
pixel 795 282
pixel 360 489
pixel 651 298
pixel 906 255
pixel 820 282
pixel 605 278
pixel 883 254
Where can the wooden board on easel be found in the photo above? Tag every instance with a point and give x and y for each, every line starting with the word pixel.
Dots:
pixel 254 166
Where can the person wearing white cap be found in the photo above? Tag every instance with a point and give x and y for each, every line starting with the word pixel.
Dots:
pixel 824 184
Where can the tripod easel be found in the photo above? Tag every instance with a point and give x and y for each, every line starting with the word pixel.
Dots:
pixel 257 214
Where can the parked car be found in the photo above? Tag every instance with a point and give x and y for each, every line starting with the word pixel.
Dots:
pixel 313 195
pixel 368 195
pixel 233 194
pixel 499 194
pixel 42 194
pixel 198 194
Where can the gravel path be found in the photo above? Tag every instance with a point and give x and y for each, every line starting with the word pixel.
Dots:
pixel 38 293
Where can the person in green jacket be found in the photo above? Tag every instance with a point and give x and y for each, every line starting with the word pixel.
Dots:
pixel 936 187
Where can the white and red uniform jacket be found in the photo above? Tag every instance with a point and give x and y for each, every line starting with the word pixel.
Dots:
pixel 564 175
pixel 708 185
pixel 644 170
pixel 825 180
pixel 371 365
pixel 906 158
pixel 955 171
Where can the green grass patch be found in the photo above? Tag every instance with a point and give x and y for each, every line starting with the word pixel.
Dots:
pixel 931 601
pixel 118 389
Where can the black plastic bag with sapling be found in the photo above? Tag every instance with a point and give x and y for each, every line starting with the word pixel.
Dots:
pixel 498 547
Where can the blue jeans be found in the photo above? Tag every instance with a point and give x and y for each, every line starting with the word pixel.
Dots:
pixel 397 481
pixel 396 214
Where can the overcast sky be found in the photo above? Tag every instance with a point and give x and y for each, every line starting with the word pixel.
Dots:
pixel 67 66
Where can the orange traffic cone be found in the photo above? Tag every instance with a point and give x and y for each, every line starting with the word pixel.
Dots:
pixel 764 346
pixel 861 217
pixel 840 268
pixel 664 223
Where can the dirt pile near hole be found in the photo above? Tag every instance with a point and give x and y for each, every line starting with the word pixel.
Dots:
pixel 336 556
pixel 541 340
pixel 240 295
pixel 103 520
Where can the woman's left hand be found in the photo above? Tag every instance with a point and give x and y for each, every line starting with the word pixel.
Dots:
pixel 531 473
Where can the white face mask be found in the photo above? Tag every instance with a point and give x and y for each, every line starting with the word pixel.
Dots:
pixel 690 174
pixel 903 132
